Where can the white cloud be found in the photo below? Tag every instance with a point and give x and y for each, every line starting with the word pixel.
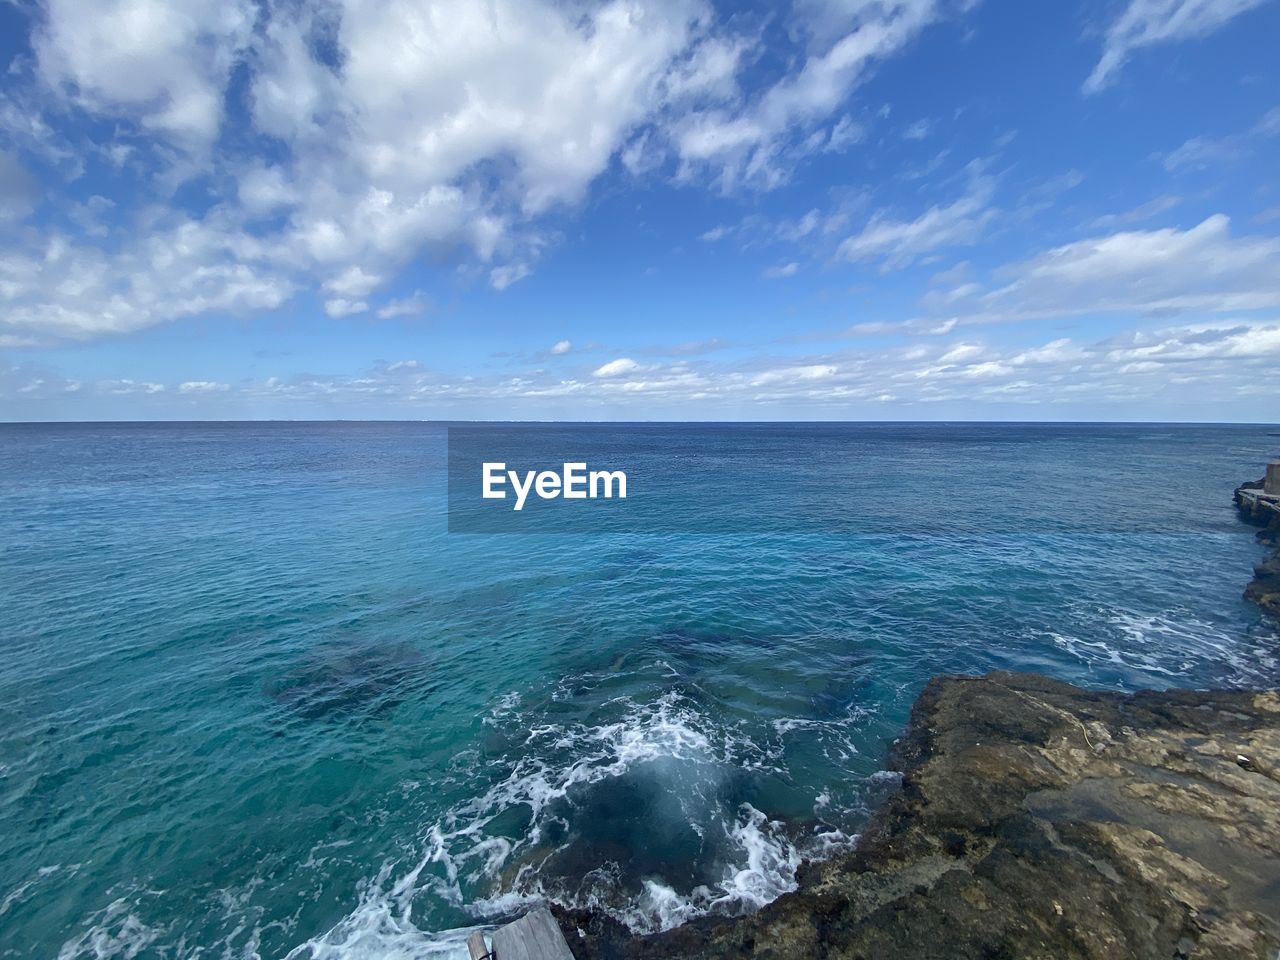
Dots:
pixel 801 374
pixel 120 387
pixel 561 347
pixel 846 133
pixel 782 270
pixel 405 307
pixel 53 287
pixel 748 144
pixel 353 282
pixel 1201 269
pixel 19 191
pixel 961 351
pixel 502 277
pixel 293 93
pixel 1190 366
pixel 1148 22
pixel 898 243
pixel 437 89
pixel 918 131
pixel 392 153
pixel 1205 153
pixel 343 307
pixel 262 190
pixel 794 230
pixel 163 64
pixel 1145 211
pixel 616 368
pixel 957 273
pixel 1200 153
pixel 709 71
pixel 396 131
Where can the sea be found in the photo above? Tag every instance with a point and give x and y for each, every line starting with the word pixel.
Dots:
pixel 267 691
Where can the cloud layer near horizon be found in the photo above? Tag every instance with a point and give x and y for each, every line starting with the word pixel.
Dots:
pixel 167 160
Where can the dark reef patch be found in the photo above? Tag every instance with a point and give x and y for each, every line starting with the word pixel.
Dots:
pixel 339 682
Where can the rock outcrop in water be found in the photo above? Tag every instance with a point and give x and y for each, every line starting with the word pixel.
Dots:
pixel 1037 820
pixel 1259 504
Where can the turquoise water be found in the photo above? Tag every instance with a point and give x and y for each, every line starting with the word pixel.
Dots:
pixel 255 701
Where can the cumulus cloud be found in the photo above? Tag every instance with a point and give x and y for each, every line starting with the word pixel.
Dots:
pixel 389 122
pixel 1145 23
pixel 380 133
pixel 163 65
pixel 353 282
pixel 54 286
pixel 561 347
pixel 341 307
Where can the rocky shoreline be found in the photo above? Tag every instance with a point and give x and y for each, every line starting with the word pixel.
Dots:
pixel 1036 820
pixel 1263 510
pixel 1041 820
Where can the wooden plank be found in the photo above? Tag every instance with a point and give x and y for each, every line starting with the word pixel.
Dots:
pixel 476 946
pixel 535 936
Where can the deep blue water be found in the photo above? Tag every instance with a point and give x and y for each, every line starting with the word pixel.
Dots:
pixel 255 701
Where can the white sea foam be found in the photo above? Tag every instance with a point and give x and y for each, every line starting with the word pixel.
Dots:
pixel 115 934
pixel 503 708
pixel 373 932
pixel 380 927
pixel 470 861
pixel 1170 645
pixel 835 735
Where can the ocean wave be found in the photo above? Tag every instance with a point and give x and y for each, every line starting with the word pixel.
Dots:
pixel 662 769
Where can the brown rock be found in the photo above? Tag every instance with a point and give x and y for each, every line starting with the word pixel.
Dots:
pixel 1037 820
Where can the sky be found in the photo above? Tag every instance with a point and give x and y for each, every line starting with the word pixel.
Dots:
pixel 640 209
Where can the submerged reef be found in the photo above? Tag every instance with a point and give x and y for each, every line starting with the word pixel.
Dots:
pixel 1259 504
pixel 1035 820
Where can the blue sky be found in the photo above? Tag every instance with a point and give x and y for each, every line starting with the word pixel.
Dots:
pixel 832 209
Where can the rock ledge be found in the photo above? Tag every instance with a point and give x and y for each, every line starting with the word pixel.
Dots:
pixel 1261 509
pixel 1037 820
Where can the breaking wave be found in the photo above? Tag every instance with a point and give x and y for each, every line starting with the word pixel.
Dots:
pixel 646 817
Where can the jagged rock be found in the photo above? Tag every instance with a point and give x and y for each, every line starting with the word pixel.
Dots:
pixel 1264 588
pixel 1036 820
pixel 1264 512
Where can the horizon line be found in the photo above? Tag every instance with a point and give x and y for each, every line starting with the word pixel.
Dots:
pixel 658 422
